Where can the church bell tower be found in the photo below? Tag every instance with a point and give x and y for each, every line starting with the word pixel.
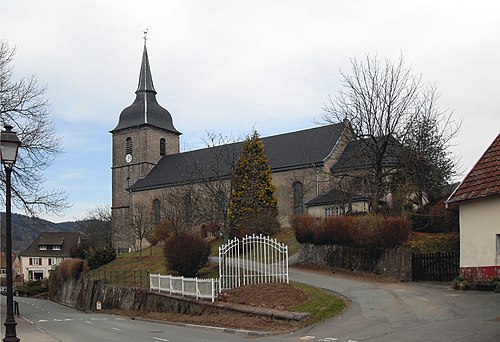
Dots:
pixel 145 132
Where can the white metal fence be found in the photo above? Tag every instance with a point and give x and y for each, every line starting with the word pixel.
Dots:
pixel 252 260
pixel 199 288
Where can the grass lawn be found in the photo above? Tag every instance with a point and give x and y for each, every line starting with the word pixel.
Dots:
pixel 321 304
pixel 153 260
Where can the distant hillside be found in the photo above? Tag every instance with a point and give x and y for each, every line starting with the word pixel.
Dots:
pixel 25 229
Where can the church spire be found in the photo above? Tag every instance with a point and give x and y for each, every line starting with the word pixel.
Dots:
pixel 145 110
pixel 145 78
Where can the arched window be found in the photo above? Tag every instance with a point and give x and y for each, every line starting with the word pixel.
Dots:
pixel 128 146
pixel 162 147
pixel 156 211
pixel 298 198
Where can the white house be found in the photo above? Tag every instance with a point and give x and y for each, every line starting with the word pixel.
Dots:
pixel 478 199
pixel 46 252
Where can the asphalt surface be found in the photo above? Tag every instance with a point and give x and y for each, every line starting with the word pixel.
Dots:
pixel 377 312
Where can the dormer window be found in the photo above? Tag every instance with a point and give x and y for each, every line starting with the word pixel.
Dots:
pixel 56 248
pixel 42 247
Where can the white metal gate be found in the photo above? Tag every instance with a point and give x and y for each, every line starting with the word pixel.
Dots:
pixel 252 260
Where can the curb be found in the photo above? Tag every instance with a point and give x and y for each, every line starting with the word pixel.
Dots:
pixel 239 332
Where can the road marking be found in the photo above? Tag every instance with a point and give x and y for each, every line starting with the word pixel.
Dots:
pixel 160 339
pixel 116 329
pixel 68 319
pixel 307 338
pixel 88 322
pixel 42 320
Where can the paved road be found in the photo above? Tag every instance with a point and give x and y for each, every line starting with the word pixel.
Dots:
pixel 377 312
pixel 405 312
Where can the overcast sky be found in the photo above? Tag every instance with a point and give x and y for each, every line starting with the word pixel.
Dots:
pixel 228 66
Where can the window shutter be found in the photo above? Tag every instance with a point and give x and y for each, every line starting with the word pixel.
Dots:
pixel 40 261
pixel 31 261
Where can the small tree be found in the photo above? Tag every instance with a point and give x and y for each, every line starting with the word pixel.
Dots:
pixel 141 223
pixel 96 227
pixel 252 190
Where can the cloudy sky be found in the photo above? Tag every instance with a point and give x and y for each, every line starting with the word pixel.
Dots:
pixel 228 66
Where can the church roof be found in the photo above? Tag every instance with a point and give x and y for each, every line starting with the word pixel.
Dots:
pixel 295 150
pixel 357 155
pixel 145 110
pixel 484 178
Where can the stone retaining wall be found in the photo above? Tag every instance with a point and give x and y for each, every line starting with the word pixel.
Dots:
pixel 392 263
pixel 84 292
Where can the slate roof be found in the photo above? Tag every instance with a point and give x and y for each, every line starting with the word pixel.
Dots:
pixel 335 196
pixel 484 178
pixel 145 110
pixel 356 156
pixel 285 152
pixel 64 239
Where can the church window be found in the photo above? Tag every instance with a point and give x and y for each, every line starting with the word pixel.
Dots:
pixel 128 146
pixel 298 198
pixel 162 147
pixel 156 211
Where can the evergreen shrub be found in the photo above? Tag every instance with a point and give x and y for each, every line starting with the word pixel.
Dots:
pixel 97 257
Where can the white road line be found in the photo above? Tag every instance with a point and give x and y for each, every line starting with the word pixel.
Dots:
pixel 116 329
pixel 88 322
pixel 307 338
pixel 68 319
pixel 42 320
pixel 160 339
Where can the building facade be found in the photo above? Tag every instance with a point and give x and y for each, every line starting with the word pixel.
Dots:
pixel 148 167
pixel 46 252
pixel 478 200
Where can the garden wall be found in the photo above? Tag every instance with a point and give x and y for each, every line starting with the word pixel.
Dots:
pixel 392 263
pixel 84 292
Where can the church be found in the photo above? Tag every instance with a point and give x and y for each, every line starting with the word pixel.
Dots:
pixel 307 166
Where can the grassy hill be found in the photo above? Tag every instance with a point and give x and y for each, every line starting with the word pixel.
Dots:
pixel 25 229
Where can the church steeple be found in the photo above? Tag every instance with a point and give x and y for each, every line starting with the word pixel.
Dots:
pixel 145 110
pixel 145 78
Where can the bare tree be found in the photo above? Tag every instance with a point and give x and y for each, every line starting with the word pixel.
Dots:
pixel 212 192
pixel 381 103
pixel 142 223
pixel 178 209
pixel 23 105
pixel 96 227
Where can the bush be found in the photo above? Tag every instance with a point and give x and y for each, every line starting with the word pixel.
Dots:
pixel 186 254
pixel 100 256
pixel 367 231
pixel 32 288
pixel 303 228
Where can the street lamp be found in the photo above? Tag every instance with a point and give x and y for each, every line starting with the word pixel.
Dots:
pixel 9 144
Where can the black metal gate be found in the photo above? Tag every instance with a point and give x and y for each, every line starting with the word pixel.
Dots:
pixel 436 266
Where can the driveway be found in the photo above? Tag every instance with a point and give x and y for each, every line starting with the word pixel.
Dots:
pixel 403 312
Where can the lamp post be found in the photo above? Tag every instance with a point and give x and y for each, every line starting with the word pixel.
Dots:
pixel 9 144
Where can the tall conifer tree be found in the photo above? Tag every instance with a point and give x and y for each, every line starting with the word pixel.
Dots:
pixel 253 207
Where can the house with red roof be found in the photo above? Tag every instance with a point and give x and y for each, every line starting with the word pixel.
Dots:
pixel 478 199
